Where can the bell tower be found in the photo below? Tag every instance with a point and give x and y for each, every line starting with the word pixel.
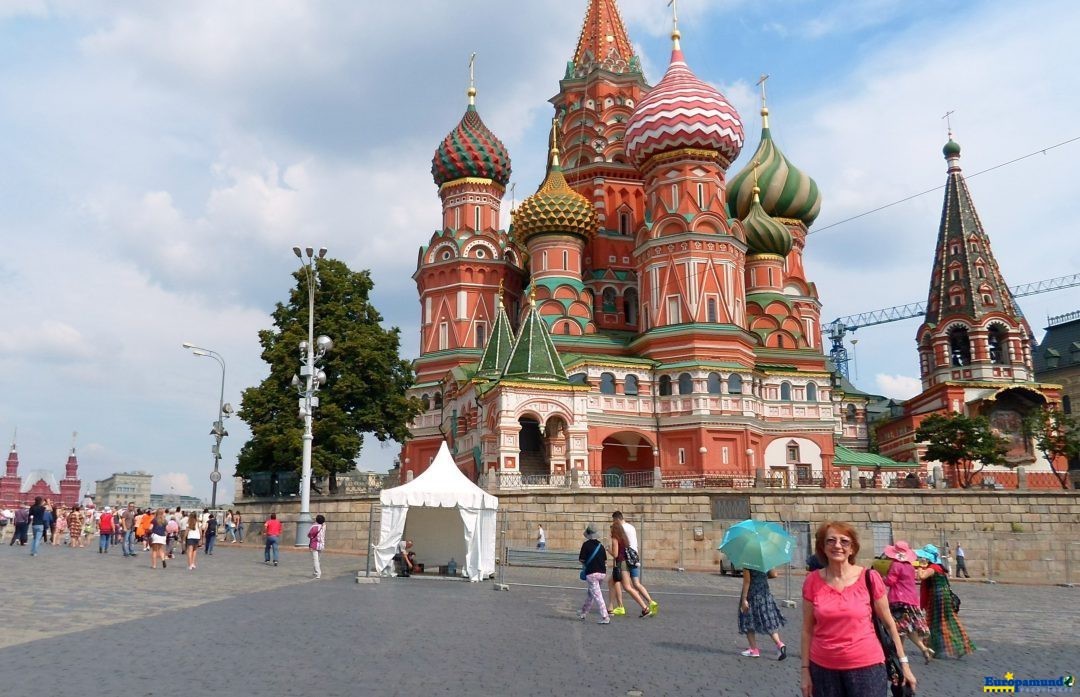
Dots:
pixel 973 329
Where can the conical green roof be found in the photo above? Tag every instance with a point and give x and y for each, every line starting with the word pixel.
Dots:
pixel 534 357
pixel 786 191
pixel 497 352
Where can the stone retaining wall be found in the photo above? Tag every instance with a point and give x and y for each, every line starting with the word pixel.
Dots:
pixel 1007 535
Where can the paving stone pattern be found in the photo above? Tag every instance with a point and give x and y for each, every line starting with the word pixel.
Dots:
pixel 236 627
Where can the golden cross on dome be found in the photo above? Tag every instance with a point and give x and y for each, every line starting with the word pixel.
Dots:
pixel 764 106
pixel 554 142
pixel 948 120
pixel 532 295
pixel 472 79
pixel 500 292
pixel 74 435
pixel 757 189
pixel 675 35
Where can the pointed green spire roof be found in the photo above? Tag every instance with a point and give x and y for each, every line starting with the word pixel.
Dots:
pixel 497 352
pixel 534 356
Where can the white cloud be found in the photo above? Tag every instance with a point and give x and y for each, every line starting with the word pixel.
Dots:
pixel 898 386
pixel 178 483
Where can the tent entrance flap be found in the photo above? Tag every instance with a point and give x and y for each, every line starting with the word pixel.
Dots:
pixel 438 535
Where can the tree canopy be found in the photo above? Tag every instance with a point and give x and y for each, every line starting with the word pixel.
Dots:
pixel 960 441
pixel 366 385
pixel 1057 435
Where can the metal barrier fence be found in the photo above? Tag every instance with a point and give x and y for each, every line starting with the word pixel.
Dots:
pixel 1019 557
pixel 678 558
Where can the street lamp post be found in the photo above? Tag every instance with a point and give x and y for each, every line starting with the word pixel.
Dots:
pixel 307 384
pixel 218 430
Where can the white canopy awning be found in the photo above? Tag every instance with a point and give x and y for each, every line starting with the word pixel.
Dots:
pixel 442 485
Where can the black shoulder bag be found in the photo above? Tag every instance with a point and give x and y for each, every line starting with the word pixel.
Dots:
pixel 892 659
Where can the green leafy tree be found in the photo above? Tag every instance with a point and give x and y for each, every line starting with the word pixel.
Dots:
pixel 366 385
pixel 961 441
pixel 1057 435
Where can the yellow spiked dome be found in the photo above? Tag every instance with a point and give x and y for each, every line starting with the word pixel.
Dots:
pixel 555 207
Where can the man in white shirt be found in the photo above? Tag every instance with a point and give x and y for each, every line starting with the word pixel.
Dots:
pixel 635 568
pixel 541 537
pixel 405 557
pixel 961 563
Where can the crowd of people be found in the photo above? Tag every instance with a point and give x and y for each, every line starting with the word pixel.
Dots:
pixel 855 618
pixel 157 531
pixel 161 532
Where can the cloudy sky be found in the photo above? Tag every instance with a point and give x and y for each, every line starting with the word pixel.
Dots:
pixel 159 160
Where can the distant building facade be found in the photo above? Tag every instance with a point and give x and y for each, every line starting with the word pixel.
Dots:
pixel 1057 361
pixel 122 488
pixel 171 501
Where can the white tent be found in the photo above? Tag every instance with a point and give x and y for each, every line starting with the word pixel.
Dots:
pixel 440 486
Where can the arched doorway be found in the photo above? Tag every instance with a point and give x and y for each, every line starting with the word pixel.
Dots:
pixel 532 457
pixel 557 444
pixel 627 460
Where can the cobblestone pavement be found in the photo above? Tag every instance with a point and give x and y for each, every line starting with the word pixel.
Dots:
pixel 236 627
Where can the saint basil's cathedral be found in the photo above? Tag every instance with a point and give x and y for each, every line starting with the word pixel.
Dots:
pixel 647 314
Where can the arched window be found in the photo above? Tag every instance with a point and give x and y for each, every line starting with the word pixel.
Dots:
pixel 607 383
pixel 714 383
pixel 438 400
pixel 1066 404
pixel 850 414
pixel 608 299
pixel 785 391
pixel 959 346
pixel 997 342
pixel 811 392
pixel 665 386
pixel 630 306
pixel 686 384
pixel 624 223
pixel 579 379
pixel 734 384
pixel 630 385
pixel 425 401
pixel 980 272
pixel 566 328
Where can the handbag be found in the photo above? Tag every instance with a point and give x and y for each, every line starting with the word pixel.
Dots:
pixel 955 601
pixel 893 668
pixel 583 575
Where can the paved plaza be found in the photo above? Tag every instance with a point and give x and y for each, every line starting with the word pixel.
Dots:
pixel 79 622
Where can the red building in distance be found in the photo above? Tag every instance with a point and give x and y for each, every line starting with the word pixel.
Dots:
pixel 21 491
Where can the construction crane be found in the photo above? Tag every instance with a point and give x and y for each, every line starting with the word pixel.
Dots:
pixel 836 330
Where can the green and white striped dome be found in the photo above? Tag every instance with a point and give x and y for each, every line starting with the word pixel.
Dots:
pixel 786 192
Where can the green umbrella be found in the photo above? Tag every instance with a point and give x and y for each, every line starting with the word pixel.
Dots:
pixel 756 544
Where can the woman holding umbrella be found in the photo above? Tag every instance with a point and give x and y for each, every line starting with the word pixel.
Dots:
pixel 758 612
pixel 758 547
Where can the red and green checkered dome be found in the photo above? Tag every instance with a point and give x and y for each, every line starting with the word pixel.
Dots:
pixel 471 150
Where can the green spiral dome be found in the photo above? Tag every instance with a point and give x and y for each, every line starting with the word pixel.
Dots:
pixel 786 191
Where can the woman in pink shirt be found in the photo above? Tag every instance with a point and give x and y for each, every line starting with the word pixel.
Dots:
pixel 904 597
pixel 841 655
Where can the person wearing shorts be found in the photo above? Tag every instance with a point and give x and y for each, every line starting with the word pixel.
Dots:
pixel 191 541
pixel 634 570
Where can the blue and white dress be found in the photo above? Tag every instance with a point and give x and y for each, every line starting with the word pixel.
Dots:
pixel 764 616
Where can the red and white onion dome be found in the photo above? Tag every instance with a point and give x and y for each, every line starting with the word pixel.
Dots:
pixel 683 112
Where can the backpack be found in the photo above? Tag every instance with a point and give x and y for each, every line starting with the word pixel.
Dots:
pixel 211 526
